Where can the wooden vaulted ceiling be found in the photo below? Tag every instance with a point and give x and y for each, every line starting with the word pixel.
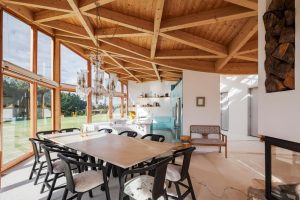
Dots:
pixel 153 39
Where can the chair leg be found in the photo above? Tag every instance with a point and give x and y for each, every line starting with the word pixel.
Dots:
pixel 220 149
pixel 52 186
pixel 191 187
pixel 32 170
pixel 91 193
pixel 38 174
pixel 79 196
pixel 45 182
pixel 226 151
pixel 166 195
pixel 170 184
pixel 107 192
pixel 178 191
pixel 65 194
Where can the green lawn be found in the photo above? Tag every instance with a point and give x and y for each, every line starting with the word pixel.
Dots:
pixel 16 133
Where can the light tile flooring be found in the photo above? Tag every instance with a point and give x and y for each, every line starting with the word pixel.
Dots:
pixel 213 176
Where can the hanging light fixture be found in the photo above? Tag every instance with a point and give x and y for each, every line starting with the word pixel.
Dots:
pixel 82 88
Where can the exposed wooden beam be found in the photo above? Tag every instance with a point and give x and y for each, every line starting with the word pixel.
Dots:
pixel 57 5
pixel 142 64
pixel 85 22
pixel 249 47
pixel 91 4
pixel 160 68
pixel 63 33
pixel 123 20
pixel 252 57
pixel 249 29
pixel 156 71
pixel 240 68
pixel 67 27
pixel 118 32
pixel 245 3
pixel 157 21
pixel 196 42
pixel 206 17
pixel 184 54
pixel 50 15
pixel 170 74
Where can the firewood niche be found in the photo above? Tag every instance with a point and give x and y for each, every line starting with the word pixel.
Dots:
pixel 279 22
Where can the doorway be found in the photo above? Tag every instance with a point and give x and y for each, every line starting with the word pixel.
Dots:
pixel 224 111
pixel 253 112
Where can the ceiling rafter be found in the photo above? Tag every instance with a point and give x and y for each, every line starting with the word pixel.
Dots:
pixel 249 47
pixel 66 27
pixel 91 4
pixel 249 29
pixel 245 3
pixel 206 17
pixel 47 15
pixel 156 71
pixel 157 21
pixel 184 54
pixel 240 68
pixel 119 32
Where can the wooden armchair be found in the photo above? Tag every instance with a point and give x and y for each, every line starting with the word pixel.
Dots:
pixel 206 132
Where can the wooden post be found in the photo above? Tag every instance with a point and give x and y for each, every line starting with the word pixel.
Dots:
pixel 89 98
pixel 110 108
pixel 56 92
pixel 122 101
pixel 33 86
pixel 1 94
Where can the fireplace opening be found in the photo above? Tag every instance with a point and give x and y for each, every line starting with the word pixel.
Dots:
pixel 282 169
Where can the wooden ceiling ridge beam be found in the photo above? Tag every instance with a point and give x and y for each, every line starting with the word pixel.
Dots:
pixel 157 21
pixel 122 20
pixel 207 17
pixel 245 3
pixel 248 30
pixel 118 32
pixel 196 42
pixel 85 22
pixel 56 5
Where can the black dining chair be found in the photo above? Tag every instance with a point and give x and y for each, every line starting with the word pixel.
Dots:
pixel 129 133
pixel 84 181
pixel 69 130
pixel 54 167
pixel 40 133
pixel 146 186
pixel 106 130
pixel 154 137
pixel 177 174
pixel 39 159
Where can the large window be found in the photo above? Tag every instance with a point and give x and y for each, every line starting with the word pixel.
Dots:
pixel 44 114
pixel 16 118
pixel 116 107
pixel 100 110
pixel 73 110
pixel 71 63
pixel 44 55
pixel 16 41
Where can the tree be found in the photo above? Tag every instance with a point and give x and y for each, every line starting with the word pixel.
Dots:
pixel 71 103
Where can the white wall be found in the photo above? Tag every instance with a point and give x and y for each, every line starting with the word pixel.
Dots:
pixel 197 84
pixel 279 113
pixel 238 91
pixel 151 88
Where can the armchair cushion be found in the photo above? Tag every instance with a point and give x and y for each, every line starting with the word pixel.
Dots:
pixel 140 187
pixel 87 180
pixel 173 173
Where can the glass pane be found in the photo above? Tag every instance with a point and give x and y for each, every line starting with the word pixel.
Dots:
pixel 71 63
pixel 16 41
pixel 16 118
pixel 118 88
pixel 125 89
pixel 73 110
pixel 44 55
pixel 116 108
pixel 285 173
pixel 100 112
pixel 44 114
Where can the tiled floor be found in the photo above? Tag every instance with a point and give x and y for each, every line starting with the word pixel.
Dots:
pixel 213 176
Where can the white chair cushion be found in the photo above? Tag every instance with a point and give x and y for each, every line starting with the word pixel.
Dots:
pixel 140 187
pixel 87 180
pixel 173 172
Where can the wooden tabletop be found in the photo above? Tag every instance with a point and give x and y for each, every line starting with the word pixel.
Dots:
pixel 119 150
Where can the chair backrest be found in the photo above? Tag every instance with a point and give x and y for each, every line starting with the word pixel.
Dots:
pixel 107 130
pixel 35 143
pixel 187 154
pixel 68 172
pixel 158 189
pixel 47 151
pixel 68 130
pixel 154 137
pixel 38 134
pixel 205 130
pixel 129 133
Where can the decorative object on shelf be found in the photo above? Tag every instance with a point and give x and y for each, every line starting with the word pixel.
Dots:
pixel 279 22
pixel 200 101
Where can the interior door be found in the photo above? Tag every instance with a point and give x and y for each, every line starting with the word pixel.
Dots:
pixel 253 113
pixel 224 111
